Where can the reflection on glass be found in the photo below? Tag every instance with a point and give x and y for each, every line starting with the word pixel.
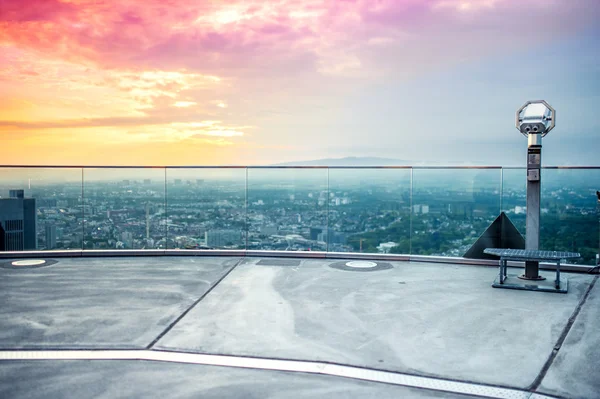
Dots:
pixel 206 208
pixel 452 208
pixel 514 196
pixel 369 210
pixel 287 209
pixel 124 208
pixel 569 212
pixel 40 209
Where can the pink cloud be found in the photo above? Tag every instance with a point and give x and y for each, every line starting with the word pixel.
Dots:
pixel 241 38
pixel 34 10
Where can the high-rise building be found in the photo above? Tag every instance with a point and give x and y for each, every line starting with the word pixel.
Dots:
pixel 269 230
pixel 222 238
pixel 147 220
pixel 332 237
pixel 127 239
pixel 18 220
pixel 314 233
pixel 50 236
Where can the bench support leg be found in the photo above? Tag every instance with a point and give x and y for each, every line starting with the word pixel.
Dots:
pixel 557 275
pixel 532 271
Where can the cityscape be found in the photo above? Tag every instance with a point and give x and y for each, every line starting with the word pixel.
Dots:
pixel 337 210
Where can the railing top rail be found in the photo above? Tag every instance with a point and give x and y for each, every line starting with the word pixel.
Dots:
pixel 289 167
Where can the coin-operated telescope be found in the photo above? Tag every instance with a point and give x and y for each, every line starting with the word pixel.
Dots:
pixel 535 119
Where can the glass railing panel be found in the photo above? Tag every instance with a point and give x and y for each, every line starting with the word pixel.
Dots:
pixel 369 210
pixel 451 208
pixel 287 209
pixel 49 214
pixel 206 208
pixel 124 208
pixel 569 214
pixel 514 196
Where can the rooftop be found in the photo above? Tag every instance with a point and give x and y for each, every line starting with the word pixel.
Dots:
pixel 226 326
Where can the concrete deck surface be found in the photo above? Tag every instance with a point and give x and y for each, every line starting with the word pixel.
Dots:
pixel 436 320
pixel 100 302
pixel 129 379
pixel 576 370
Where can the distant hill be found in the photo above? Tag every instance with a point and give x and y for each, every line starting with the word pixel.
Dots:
pixel 349 161
pixel 373 161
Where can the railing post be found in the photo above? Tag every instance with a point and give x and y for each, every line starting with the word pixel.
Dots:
pixel 327 214
pixel 246 224
pixel 166 214
pixel 82 210
pixel 411 211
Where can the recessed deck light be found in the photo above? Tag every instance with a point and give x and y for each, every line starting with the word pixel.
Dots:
pixel 361 264
pixel 28 262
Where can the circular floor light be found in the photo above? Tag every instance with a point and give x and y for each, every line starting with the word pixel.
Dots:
pixel 28 262
pixel 361 264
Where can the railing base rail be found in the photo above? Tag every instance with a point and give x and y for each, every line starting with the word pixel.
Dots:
pixel 94 253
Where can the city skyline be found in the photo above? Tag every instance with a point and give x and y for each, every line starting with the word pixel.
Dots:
pixel 263 82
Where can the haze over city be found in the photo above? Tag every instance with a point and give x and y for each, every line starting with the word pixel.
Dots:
pixel 154 82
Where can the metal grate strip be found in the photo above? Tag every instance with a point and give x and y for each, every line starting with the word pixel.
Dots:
pixel 359 373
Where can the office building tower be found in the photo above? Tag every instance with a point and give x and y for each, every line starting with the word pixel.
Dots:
pixel 147 220
pixel 332 237
pixel 50 236
pixel 18 220
pixel 314 233
pixel 127 239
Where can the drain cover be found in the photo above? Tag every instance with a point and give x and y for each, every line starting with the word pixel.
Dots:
pixel 279 262
pixel 361 266
pixel 27 263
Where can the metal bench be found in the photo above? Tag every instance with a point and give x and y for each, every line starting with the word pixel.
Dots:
pixel 530 255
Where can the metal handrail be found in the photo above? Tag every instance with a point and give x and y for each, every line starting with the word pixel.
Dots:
pixel 287 167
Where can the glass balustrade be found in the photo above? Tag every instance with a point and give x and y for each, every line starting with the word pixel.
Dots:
pixel 287 209
pixel 405 210
pixel 206 208
pixel 514 196
pixel 48 216
pixel 451 208
pixel 124 208
pixel 569 212
pixel 369 210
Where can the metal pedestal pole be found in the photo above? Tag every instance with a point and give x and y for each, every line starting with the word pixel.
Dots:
pixel 532 239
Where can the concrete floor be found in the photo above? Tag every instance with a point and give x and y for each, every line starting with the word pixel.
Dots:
pixel 427 319
pixel 101 302
pixel 129 379
pixel 576 370
pixel 424 319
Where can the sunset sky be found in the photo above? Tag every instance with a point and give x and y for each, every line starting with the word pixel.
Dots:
pixel 169 82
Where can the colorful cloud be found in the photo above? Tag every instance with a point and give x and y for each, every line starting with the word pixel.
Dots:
pixel 76 72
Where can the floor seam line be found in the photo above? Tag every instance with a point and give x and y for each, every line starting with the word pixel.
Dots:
pixel 561 339
pixel 192 306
